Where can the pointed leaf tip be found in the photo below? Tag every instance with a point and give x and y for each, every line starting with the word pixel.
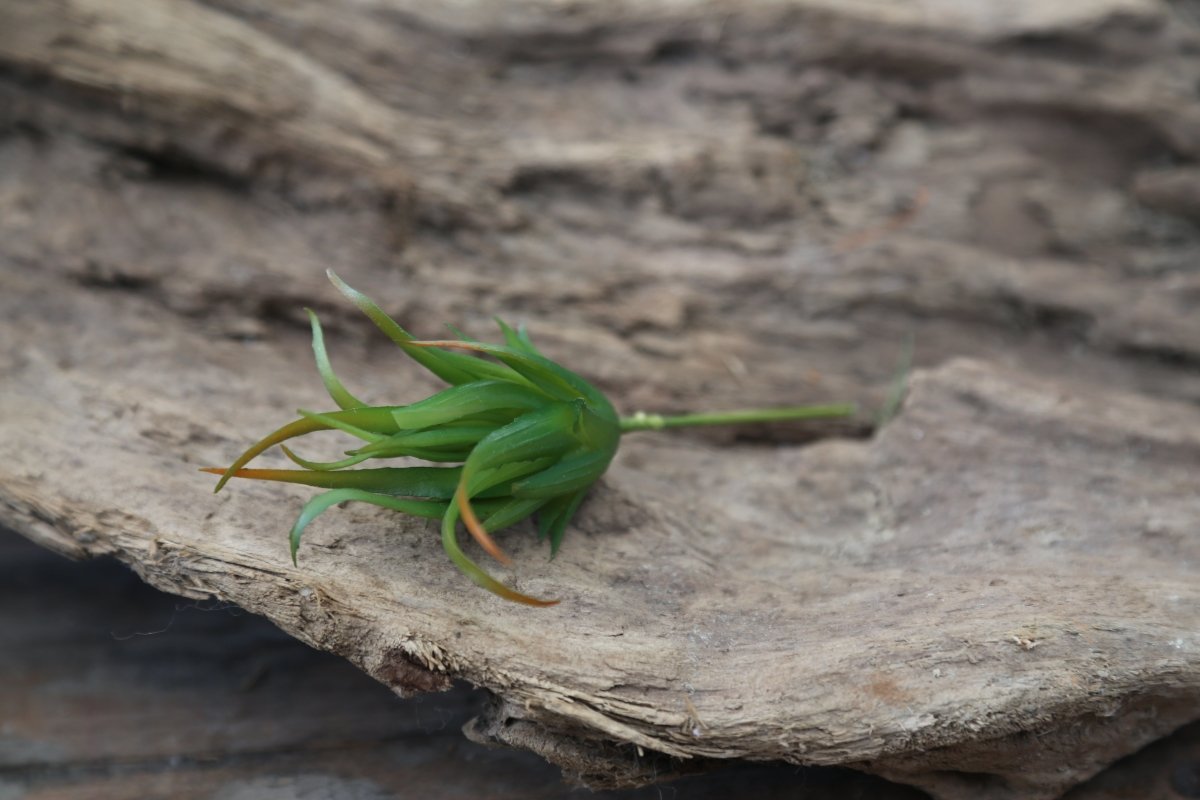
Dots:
pixel 215 471
pixel 477 530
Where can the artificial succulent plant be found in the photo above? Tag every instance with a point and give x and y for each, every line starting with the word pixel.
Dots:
pixel 526 436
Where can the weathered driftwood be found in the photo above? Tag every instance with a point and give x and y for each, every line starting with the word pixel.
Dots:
pixel 995 594
pixel 200 700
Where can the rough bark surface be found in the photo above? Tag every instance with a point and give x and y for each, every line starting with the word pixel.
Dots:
pixel 695 204
pixel 110 690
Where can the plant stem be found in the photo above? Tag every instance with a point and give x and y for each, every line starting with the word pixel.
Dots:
pixel 642 421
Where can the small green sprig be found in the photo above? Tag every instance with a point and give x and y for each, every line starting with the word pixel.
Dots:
pixel 526 436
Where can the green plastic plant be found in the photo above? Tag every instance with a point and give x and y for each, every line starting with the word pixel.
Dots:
pixel 527 437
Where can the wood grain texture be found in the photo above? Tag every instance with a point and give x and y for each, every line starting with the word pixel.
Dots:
pixel 995 594
pixel 110 690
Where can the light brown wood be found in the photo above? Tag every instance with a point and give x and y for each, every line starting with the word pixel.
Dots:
pixel 697 206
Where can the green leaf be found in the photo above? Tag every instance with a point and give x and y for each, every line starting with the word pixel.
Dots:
pixel 322 466
pixel 544 433
pixel 472 570
pixel 498 479
pixel 559 527
pixel 453 368
pixel 458 402
pixel 291 430
pixel 435 483
pixel 462 437
pixel 332 385
pixel 335 420
pixel 518 339
pixel 509 513
pixel 574 472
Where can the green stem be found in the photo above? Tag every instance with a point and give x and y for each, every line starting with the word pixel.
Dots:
pixel 642 421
